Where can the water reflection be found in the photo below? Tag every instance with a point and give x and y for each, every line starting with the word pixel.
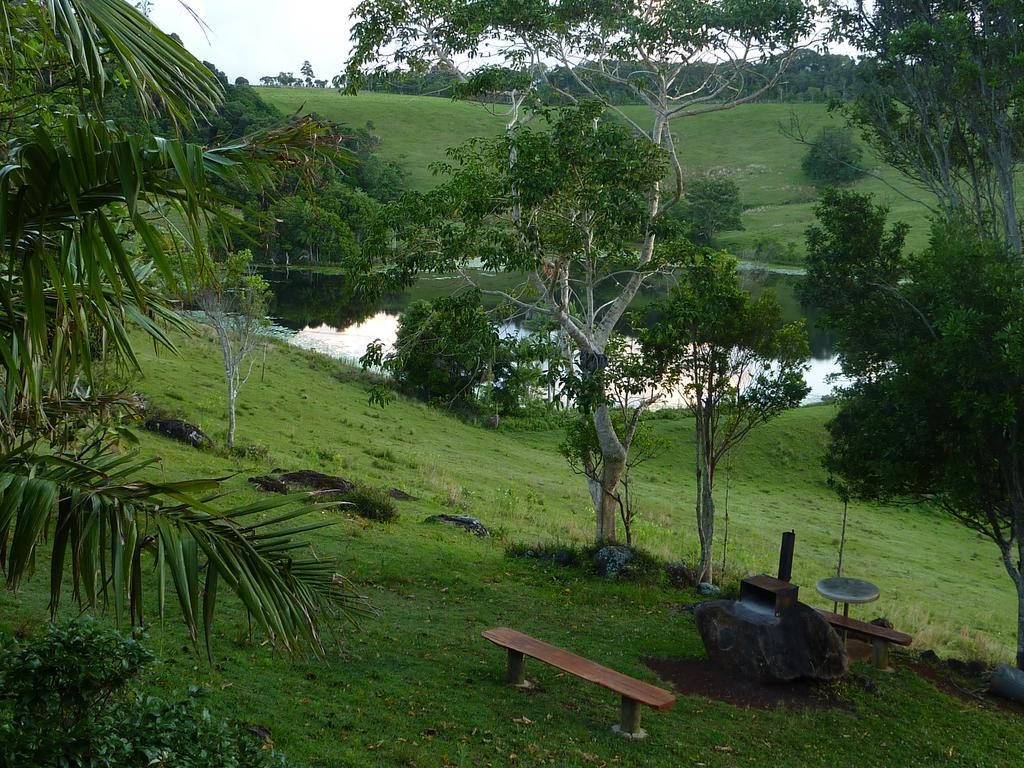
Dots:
pixel 326 316
pixel 349 342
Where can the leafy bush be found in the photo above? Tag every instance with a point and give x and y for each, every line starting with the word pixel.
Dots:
pixel 710 205
pixel 642 567
pixel 771 250
pixel 371 503
pixel 448 352
pixel 67 699
pixel 834 158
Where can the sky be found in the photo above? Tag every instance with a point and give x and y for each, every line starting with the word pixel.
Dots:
pixel 253 38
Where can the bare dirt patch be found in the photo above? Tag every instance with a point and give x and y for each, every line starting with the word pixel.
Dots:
pixel 699 677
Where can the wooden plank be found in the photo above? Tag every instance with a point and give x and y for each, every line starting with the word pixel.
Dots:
pixel 569 662
pixel 864 628
pixel 768 583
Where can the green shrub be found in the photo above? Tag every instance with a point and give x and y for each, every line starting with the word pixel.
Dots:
pixel 371 503
pixel 643 567
pixel 567 555
pixel 67 699
pixel 834 157
pixel 771 250
pixel 710 205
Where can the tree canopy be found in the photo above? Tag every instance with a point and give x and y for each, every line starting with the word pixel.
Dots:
pixel 733 361
pixel 931 344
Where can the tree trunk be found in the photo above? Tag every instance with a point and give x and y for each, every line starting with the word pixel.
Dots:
pixel 1020 625
pixel 1014 569
pixel 229 380
pixel 706 524
pixel 231 415
pixel 613 458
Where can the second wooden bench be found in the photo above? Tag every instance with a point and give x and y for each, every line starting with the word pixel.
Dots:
pixel 879 637
pixel 634 692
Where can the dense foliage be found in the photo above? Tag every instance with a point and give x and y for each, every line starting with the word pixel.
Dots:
pixel 70 697
pixel 314 212
pixel 710 205
pixel 95 224
pixel 733 360
pixel 942 99
pixel 449 352
pixel 834 157
pixel 934 349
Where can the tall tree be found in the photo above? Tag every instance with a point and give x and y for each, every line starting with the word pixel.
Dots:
pixel 566 214
pixel 642 47
pixel 734 362
pixel 307 73
pixel 942 101
pixel 645 49
pixel 933 346
pixel 83 249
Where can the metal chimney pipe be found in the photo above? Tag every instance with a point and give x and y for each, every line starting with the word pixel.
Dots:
pixel 786 555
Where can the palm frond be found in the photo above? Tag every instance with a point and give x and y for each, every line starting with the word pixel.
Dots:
pixel 98 33
pixel 104 522
pixel 77 211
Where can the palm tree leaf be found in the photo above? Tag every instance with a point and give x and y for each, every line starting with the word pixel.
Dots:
pixel 159 70
pixel 100 517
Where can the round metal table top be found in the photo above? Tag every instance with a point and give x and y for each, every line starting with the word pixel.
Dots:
pixel 843 590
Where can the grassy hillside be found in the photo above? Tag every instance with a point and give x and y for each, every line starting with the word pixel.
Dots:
pixel 746 143
pixel 417 686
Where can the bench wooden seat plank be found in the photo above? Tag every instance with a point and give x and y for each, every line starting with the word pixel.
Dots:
pixel 591 671
pixel 880 637
pixel 634 692
pixel 864 628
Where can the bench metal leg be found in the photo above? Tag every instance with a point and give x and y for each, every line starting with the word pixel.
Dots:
pixel 517 669
pixel 629 723
pixel 880 653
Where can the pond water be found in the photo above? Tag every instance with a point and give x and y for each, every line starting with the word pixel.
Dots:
pixel 317 311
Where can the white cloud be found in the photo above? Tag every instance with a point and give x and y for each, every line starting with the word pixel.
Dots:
pixel 261 37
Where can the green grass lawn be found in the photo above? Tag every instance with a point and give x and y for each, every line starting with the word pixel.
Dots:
pixel 417 686
pixel 746 143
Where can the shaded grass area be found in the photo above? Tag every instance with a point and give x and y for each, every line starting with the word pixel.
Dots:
pixel 417 686
pixel 747 144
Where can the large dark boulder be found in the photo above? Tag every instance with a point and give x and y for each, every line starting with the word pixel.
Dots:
pixel 1008 682
pixel 755 643
pixel 318 481
pixel 176 429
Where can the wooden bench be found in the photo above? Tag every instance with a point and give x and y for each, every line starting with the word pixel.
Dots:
pixel 879 637
pixel 634 692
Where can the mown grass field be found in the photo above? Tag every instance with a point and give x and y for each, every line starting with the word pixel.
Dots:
pixel 417 686
pixel 746 143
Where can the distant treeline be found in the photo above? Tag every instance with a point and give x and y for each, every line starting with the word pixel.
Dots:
pixel 810 77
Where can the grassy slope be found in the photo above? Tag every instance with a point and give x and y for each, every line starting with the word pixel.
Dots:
pixel 418 687
pixel 745 143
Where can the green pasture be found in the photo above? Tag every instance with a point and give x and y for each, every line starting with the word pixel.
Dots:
pixel 748 143
pixel 417 686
